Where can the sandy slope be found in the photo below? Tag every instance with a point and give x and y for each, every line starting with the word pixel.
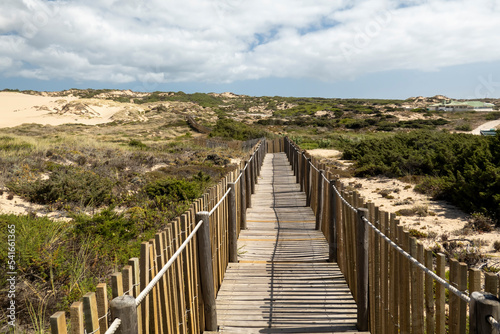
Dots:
pixel 442 219
pixel 19 108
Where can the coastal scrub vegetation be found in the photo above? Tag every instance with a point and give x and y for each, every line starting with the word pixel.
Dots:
pixel 463 169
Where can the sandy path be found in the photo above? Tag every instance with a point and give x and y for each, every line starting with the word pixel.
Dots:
pixel 486 126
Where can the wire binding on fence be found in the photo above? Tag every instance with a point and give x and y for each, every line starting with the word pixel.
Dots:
pixel 429 272
pixel 114 326
pixel 220 201
pixel 493 322
pixel 158 276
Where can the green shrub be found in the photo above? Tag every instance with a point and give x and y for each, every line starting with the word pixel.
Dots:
pixel 461 168
pixel 137 143
pixel 173 189
pixel 231 129
pixel 66 184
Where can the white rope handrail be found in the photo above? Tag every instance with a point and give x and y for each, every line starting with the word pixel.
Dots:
pixel 155 280
pixel 239 176
pixel 114 326
pixel 312 165
pixel 220 201
pixel 328 181
pixel 429 272
pixel 493 322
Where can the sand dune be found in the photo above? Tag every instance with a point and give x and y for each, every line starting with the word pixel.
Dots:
pixel 19 108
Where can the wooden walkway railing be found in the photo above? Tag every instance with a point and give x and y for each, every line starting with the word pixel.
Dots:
pixel 178 301
pixel 389 287
pixel 399 286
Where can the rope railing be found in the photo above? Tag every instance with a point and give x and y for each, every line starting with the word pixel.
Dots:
pixel 219 203
pixel 158 276
pixel 429 272
pixel 493 322
pixel 114 326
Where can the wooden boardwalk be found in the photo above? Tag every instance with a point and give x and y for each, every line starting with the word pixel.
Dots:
pixel 283 282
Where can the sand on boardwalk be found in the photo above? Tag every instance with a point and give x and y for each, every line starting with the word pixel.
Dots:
pixel 442 217
pixel 19 108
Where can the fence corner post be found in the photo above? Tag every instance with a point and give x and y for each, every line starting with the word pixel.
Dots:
pixel 483 305
pixel 206 271
pixel 362 270
pixel 125 309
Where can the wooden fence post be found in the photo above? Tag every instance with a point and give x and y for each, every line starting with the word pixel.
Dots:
pixel 206 271
pixel 243 201
pixel 483 305
pixel 321 200
pixel 332 256
pixel 307 181
pixel 124 308
pixel 362 270
pixel 251 167
pixel 248 186
pixel 233 233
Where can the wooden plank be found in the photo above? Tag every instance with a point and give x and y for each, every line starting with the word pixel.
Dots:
pixel 440 295
pixel 76 318
pixel 134 263
pixel 144 280
pixel 102 305
pixel 162 284
pixel 154 318
pixel 116 285
pixel 58 323
pixel 429 295
pixel 90 313
pixel 179 279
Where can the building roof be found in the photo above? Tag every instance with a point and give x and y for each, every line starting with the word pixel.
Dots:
pixel 452 103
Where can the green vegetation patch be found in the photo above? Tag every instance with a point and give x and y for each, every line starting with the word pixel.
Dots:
pixel 231 129
pixel 461 168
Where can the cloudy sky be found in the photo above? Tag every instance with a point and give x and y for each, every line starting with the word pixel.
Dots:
pixel 329 48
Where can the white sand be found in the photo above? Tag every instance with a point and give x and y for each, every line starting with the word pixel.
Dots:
pixel 19 108
pixel 443 217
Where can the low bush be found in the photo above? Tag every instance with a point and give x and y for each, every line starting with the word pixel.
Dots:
pixel 231 129
pixel 66 184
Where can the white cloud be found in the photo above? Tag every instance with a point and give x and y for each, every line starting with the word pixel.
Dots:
pixel 226 40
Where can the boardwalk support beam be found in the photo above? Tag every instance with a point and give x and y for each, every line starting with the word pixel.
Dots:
pixel 483 305
pixel 206 271
pixel 125 309
pixel 362 270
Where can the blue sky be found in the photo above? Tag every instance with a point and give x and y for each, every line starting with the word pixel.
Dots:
pixel 327 48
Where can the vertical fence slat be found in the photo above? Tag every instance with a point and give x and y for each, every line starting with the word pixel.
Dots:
pixel 154 319
pixel 440 295
pixel 429 295
pixel 134 263
pixel 144 280
pixel 58 323
pixel 162 284
pixel 102 305
pixel 116 286
pixel 90 313
pixel 76 318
